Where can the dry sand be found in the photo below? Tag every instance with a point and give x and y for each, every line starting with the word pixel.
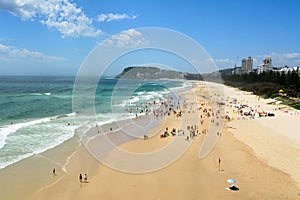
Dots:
pixel 275 140
pixel 246 154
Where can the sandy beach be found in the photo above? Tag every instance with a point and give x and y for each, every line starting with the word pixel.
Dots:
pixel 276 140
pixel 260 153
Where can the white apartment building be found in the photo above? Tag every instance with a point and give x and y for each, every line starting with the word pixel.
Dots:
pixel 266 66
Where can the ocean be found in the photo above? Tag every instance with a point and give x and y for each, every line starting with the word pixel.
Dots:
pixel 36 113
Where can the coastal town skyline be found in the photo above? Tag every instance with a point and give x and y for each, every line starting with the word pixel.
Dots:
pixel 55 37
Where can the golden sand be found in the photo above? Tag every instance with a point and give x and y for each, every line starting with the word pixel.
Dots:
pixel 257 176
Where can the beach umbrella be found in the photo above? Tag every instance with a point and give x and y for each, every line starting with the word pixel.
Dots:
pixel 231 181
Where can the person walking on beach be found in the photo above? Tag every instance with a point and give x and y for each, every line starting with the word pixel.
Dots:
pixel 219 164
pixel 85 178
pixel 80 178
pixel 54 172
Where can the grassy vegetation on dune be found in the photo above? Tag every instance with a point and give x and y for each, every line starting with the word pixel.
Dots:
pixel 268 85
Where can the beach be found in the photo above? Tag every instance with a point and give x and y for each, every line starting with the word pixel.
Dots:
pixel 260 153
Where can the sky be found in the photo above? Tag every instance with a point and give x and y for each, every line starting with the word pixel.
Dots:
pixel 55 37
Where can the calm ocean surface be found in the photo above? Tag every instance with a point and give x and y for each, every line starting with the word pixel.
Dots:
pixel 36 112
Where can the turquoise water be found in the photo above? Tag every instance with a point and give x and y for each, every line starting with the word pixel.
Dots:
pixel 36 113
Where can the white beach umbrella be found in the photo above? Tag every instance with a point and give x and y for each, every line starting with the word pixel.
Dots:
pixel 231 181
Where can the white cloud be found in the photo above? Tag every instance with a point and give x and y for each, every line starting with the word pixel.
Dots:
pixel 11 53
pixel 114 17
pixel 128 39
pixel 62 15
pixel 284 56
pixel 224 62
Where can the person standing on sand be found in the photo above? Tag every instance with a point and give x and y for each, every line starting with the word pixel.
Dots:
pixel 219 164
pixel 80 178
pixel 54 171
pixel 85 178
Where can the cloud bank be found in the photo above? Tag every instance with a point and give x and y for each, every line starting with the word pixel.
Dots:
pixel 11 53
pixel 62 15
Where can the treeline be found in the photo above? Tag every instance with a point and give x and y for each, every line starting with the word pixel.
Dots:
pixel 189 76
pixel 266 84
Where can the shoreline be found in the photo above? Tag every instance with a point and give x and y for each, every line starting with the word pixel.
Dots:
pixel 57 157
pixel 188 165
pixel 190 177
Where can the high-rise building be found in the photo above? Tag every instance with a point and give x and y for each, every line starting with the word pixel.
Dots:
pixel 243 65
pixel 266 66
pixel 247 65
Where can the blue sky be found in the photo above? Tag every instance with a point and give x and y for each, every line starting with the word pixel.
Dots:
pixel 54 37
